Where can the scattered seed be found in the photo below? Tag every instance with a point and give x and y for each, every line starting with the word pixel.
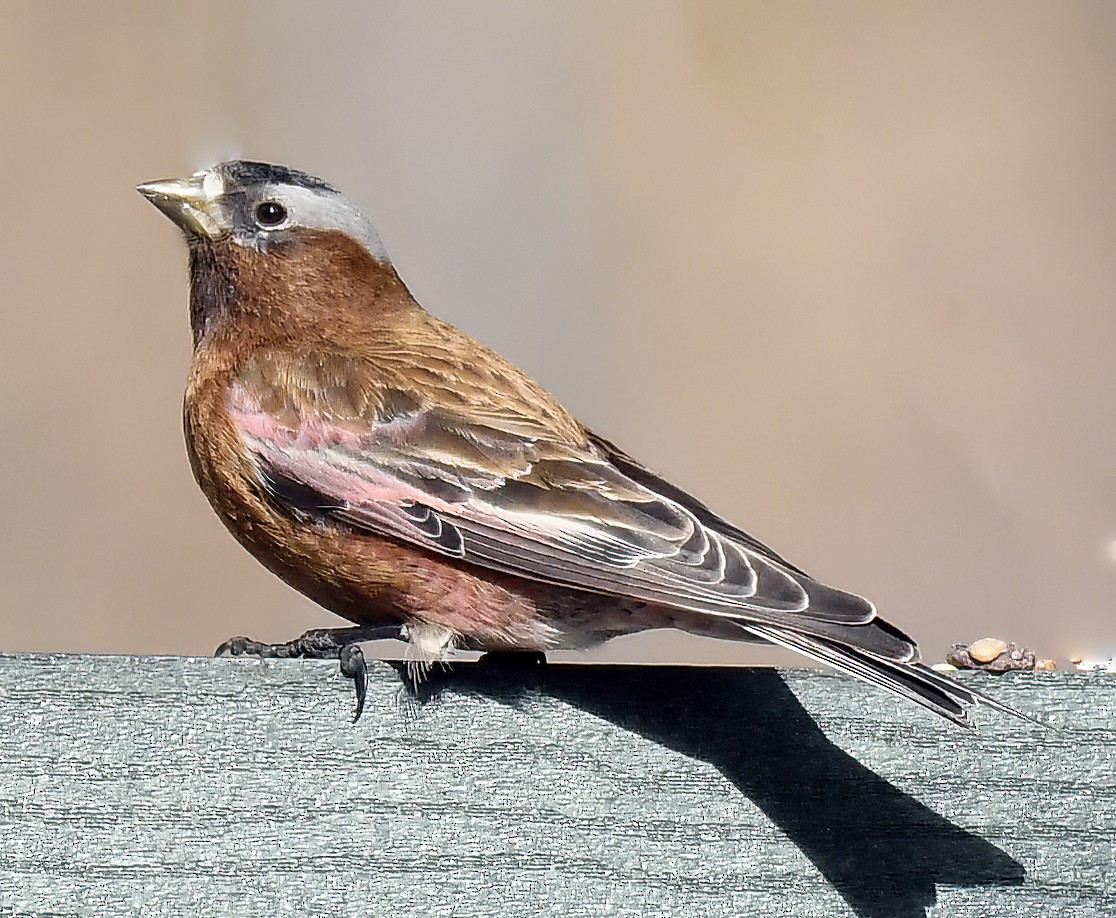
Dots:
pixel 987 649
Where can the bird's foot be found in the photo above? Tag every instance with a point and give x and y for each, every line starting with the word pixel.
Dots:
pixel 521 660
pixel 341 644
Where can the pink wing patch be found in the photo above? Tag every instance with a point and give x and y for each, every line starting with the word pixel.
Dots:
pixel 326 457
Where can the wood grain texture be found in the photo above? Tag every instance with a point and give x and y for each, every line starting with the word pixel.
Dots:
pixel 167 786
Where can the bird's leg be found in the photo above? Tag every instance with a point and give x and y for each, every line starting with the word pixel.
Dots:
pixel 341 644
pixel 318 644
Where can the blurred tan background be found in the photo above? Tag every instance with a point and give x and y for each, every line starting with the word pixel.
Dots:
pixel 846 271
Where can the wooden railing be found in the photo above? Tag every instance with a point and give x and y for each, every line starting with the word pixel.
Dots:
pixel 183 786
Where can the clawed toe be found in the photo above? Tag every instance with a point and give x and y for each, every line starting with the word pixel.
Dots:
pixel 241 647
pixel 354 667
pixel 320 644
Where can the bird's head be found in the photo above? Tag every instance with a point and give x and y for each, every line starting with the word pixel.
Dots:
pixel 275 248
pixel 259 206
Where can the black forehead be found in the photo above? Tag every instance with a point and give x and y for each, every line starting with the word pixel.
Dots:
pixel 246 173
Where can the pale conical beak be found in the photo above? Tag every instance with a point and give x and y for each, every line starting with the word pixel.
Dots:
pixel 188 202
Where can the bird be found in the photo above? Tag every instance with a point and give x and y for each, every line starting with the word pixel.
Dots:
pixel 417 484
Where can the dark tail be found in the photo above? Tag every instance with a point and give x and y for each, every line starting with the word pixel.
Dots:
pixel 912 680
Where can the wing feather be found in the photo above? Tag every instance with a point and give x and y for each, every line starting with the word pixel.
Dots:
pixel 496 489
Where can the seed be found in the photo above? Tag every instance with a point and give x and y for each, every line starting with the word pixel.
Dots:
pixel 986 649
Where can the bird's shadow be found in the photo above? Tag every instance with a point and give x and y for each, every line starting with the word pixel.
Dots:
pixel 883 851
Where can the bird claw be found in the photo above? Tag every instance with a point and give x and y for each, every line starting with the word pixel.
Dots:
pixel 354 667
pixel 243 647
pixel 319 644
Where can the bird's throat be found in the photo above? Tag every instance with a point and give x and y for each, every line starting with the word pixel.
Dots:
pixel 213 286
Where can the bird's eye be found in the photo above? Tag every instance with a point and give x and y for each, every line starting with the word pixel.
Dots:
pixel 269 213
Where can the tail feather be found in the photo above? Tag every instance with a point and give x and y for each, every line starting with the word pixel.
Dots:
pixel 877 638
pixel 910 680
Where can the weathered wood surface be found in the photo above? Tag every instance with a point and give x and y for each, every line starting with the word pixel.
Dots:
pixel 171 786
